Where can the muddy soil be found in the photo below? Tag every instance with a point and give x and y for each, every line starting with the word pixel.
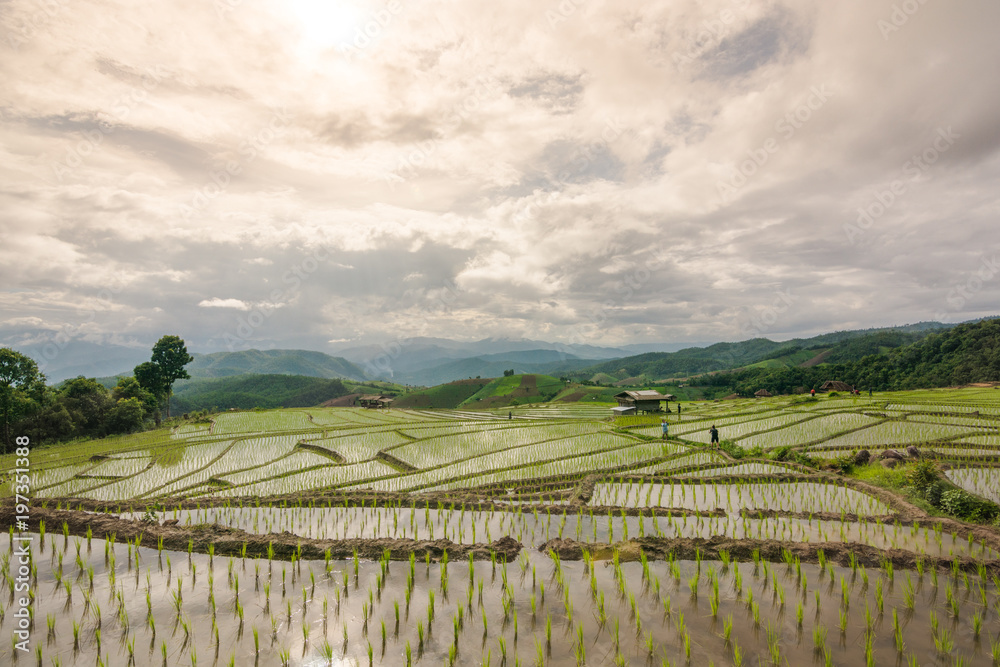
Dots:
pixel 232 542
pixel 770 550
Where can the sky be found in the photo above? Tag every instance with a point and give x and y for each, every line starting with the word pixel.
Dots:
pixel 266 174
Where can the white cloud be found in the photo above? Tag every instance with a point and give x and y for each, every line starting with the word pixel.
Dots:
pixel 224 303
pixel 471 173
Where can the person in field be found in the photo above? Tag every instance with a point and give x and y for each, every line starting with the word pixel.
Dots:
pixel 665 426
pixel 715 434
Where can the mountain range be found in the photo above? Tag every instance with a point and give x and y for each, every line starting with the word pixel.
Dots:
pixel 426 361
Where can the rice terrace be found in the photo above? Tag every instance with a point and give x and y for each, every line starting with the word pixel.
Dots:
pixel 824 531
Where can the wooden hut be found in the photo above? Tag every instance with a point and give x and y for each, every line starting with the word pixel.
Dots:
pixel 836 385
pixel 374 401
pixel 763 393
pixel 646 400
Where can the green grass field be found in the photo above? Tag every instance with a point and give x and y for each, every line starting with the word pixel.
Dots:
pixel 296 525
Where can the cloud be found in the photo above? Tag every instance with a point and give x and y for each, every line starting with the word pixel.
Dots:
pixel 472 173
pixel 224 303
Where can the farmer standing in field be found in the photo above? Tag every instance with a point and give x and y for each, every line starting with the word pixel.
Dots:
pixel 665 426
pixel 715 434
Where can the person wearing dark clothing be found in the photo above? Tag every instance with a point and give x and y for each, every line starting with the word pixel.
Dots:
pixel 510 415
pixel 715 434
pixel 678 409
pixel 869 392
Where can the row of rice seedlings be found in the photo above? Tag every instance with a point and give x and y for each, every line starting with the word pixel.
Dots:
pixel 645 608
pixel 984 482
pixel 438 451
pixel 821 428
pixel 896 432
pixel 249 421
pixel 530 524
pixel 787 496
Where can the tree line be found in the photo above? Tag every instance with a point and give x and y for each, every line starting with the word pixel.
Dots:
pixel 82 407
pixel 966 354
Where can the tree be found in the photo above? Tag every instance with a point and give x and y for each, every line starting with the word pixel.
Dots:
pixel 21 386
pixel 129 387
pixel 88 403
pixel 126 416
pixel 158 375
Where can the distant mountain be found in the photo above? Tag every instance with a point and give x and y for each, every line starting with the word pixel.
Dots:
pixel 941 357
pixel 839 347
pixel 273 362
pixel 493 365
pixel 61 361
pixel 409 355
pixel 642 348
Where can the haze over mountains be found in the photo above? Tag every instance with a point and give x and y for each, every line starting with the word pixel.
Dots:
pixel 431 361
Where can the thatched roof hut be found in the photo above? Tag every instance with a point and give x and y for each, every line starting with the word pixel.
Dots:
pixel 646 400
pixel 835 385
pixel 763 393
pixel 374 401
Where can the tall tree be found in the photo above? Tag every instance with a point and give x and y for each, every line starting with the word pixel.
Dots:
pixel 158 375
pixel 147 374
pixel 21 385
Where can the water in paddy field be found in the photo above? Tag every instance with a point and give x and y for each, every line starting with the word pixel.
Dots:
pixel 532 528
pixel 565 613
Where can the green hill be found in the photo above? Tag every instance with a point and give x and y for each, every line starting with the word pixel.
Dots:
pixel 965 354
pixel 837 347
pixel 255 391
pixel 449 395
pixel 516 390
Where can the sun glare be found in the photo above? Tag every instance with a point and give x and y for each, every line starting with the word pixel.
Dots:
pixel 326 24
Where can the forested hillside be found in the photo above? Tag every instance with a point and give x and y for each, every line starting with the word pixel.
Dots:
pixel 965 354
pixel 256 391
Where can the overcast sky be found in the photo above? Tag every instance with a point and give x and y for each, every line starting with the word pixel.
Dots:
pixel 246 173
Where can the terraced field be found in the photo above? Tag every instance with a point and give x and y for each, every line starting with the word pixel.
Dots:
pixel 338 536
